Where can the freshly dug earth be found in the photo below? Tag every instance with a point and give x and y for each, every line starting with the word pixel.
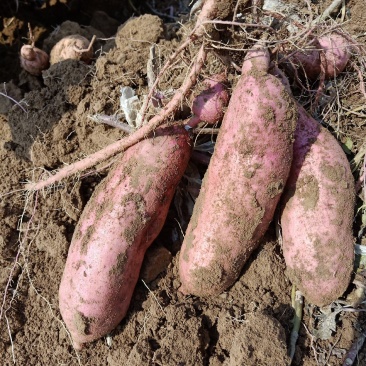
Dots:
pixel 249 324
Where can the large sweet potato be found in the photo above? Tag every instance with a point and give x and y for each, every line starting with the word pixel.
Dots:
pixel 243 183
pixel 318 214
pixel 122 218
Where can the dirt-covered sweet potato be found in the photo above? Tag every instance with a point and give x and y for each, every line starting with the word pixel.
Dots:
pixel 33 59
pixel 75 47
pixel 208 106
pixel 122 218
pixel 317 216
pixel 243 183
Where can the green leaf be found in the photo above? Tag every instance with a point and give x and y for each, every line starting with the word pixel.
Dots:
pixel 348 146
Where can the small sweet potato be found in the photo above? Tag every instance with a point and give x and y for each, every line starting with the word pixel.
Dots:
pixel 74 47
pixel 330 52
pixel 33 59
pixel 208 106
pixel 317 215
pixel 337 53
pixel 124 215
pixel 243 182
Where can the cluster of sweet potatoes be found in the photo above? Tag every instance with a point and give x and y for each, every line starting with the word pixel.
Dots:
pixel 269 145
pixel 269 154
pixel 269 148
pixel 75 47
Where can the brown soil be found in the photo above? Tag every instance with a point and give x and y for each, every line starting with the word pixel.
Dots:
pixel 249 324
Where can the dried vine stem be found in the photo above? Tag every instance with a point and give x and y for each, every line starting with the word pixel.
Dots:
pixel 208 12
pixel 140 134
pixel 206 16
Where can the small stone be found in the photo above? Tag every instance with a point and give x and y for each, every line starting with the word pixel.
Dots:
pixel 157 259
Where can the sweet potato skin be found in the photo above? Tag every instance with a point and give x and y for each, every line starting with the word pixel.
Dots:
pixel 122 218
pixel 317 214
pixel 307 63
pixel 243 183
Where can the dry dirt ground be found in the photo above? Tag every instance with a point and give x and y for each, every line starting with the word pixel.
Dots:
pixel 250 324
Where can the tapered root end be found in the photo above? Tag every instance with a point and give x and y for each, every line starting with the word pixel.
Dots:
pixel 78 346
pixel 258 58
pixel 183 290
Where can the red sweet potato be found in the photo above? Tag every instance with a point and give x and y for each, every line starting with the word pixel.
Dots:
pixel 33 60
pixel 243 183
pixel 122 218
pixel 330 52
pixel 337 53
pixel 209 105
pixel 317 216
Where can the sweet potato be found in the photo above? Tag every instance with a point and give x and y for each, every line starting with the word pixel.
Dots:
pixel 33 59
pixel 208 106
pixel 337 53
pixel 74 47
pixel 122 218
pixel 317 216
pixel 243 182
pixel 330 52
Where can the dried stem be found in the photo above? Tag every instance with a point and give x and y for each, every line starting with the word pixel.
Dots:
pixel 13 100
pixel 329 10
pixel 137 136
pixel 85 50
pixel 22 241
pixel 112 121
pixel 354 350
pixel 297 303
pixel 208 12
pixel 31 37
